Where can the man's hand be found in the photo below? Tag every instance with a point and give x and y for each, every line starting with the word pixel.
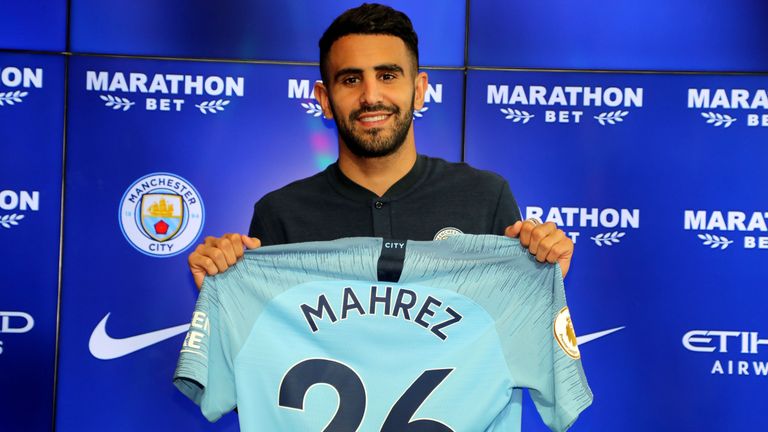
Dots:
pixel 217 254
pixel 545 241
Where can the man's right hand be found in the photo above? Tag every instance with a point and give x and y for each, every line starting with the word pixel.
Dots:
pixel 217 254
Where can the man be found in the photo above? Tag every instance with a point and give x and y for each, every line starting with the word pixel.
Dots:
pixel 379 185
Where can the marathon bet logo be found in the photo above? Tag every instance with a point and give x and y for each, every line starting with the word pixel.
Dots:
pixel 12 203
pixel 608 225
pixel 752 103
pixel 305 89
pixel 729 222
pixel 12 79
pixel 172 90
pixel 564 104
pixel 161 214
pixel 15 322
pixel 733 351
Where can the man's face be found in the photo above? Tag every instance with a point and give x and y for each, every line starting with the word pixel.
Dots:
pixel 372 90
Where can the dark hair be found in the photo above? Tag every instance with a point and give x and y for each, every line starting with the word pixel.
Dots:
pixel 369 19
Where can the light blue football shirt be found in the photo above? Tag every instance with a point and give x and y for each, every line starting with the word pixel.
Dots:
pixel 304 337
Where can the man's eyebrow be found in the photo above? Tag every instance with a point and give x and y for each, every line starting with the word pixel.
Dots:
pixel 346 71
pixel 391 67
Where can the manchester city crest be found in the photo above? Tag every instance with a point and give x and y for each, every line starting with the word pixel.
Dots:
pixel 161 214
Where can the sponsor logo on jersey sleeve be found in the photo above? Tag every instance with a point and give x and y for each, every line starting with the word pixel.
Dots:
pixel 557 104
pixel 565 334
pixel 161 214
pixel 719 229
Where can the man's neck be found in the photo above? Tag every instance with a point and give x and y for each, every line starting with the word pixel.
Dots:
pixel 377 174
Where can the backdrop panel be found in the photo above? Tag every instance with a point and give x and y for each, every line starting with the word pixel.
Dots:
pixel 34 25
pixel 261 30
pixel 682 35
pixel 151 170
pixel 31 129
pixel 658 179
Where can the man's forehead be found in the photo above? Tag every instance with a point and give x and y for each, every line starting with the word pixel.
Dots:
pixel 361 51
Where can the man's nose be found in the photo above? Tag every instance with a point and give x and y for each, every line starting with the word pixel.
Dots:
pixel 371 92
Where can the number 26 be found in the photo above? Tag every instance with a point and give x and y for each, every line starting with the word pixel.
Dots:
pixel 352 397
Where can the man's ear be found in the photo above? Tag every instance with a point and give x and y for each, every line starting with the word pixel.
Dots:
pixel 420 89
pixel 321 94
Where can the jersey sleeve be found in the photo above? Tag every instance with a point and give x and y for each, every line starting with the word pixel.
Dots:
pixel 543 354
pixel 205 370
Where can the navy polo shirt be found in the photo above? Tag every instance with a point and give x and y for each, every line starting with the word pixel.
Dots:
pixel 436 198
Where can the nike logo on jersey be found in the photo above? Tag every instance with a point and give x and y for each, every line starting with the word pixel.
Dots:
pixel 105 347
pixel 581 340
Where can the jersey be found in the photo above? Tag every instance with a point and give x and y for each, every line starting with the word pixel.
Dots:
pixel 365 334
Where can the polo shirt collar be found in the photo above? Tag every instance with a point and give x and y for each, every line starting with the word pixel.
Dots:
pixel 346 187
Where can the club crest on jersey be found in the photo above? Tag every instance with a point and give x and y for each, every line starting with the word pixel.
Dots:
pixel 565 334
pixel 161 214
pixel 447 232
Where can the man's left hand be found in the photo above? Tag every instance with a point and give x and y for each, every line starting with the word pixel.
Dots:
pixel 545 241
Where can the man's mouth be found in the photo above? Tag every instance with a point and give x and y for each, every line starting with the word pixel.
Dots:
pixel 372 119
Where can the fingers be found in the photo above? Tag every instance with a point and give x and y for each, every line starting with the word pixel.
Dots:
pixel 514 230
pixel 201 265
pixel 250 242
pixel 549 246
pixel 217 254
pixel 536 234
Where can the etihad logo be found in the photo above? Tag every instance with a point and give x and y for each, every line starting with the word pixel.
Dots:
pixel 305 89
pixel 605 105
pixel 731 223
pixel 13 203
pixel 722 343
pixel 15 322
pixel 608 225
pixel 713 101
pixel 212 93
pixel 161 214
pixel 12 78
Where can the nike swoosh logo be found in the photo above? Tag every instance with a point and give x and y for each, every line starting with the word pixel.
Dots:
pixel 581 340
pixel 105 347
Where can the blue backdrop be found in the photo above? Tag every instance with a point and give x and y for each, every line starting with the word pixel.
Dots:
pixel 656 175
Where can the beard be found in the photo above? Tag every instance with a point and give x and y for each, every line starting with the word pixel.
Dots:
pixel 374 142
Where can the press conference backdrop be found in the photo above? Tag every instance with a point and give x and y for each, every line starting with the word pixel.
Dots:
pixel 656 175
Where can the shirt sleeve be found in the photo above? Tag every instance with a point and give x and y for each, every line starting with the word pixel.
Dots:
pixel 205 372
pixel 507 211
pixel 264 225
pixel 543 354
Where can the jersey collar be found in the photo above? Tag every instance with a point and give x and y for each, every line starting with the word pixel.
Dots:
pixel 346 187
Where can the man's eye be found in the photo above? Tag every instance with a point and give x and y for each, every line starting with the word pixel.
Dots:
pixel 388 76
pixel 350 80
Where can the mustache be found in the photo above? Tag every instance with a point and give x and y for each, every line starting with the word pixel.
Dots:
pixel 374 108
